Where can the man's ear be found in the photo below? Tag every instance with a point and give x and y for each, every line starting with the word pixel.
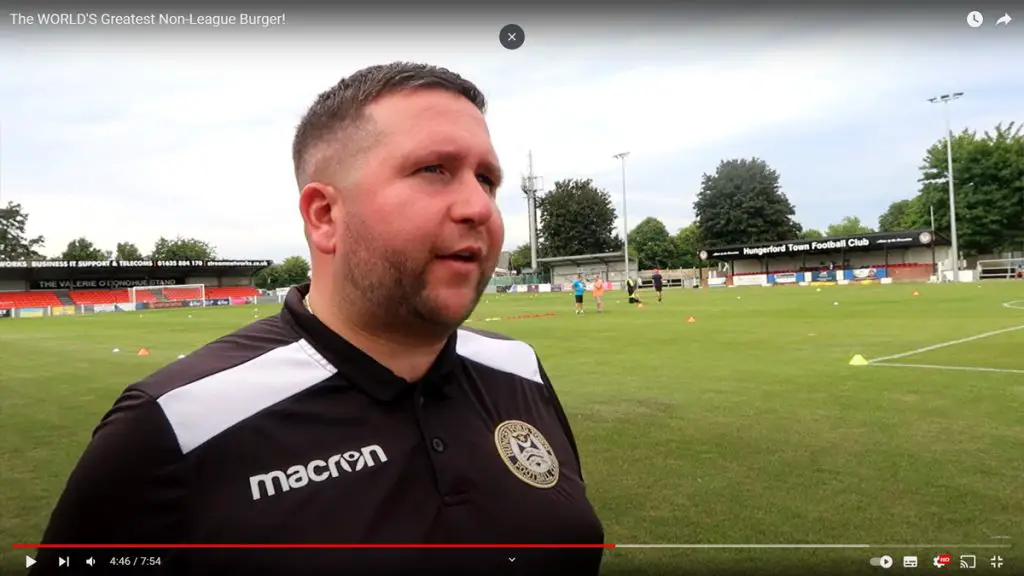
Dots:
pixel 319 207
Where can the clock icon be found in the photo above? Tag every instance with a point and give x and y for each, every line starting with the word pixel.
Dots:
pixel 975 19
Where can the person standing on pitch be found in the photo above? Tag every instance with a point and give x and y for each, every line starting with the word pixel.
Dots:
pixel 361 413
pixel 579 288
pixel 656 278
pixel 599 289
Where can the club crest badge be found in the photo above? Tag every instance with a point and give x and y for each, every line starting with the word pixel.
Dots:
pixel 924 237
pixel 526 453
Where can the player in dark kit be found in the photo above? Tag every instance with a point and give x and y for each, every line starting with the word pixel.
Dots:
pixel 656 278
pixel 363 413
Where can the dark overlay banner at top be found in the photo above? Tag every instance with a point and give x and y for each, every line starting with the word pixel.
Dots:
pixel 80 264
pixel 864 243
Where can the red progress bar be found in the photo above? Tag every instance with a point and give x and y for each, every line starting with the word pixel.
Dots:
pixel 300 546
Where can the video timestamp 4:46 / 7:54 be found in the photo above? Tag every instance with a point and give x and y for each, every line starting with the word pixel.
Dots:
pixel 126 561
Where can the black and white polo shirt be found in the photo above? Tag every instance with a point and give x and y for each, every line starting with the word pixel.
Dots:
pixel 283 432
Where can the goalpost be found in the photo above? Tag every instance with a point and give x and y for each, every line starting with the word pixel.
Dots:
pixel 1001 268
pixel 178 292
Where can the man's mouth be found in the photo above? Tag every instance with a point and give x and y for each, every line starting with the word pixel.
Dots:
pixel 469 255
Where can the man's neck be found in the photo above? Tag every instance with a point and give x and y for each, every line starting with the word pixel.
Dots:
pixel 407 359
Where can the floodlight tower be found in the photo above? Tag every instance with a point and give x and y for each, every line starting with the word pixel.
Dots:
pixel 621 156
pixel 945 99
pixel 532 184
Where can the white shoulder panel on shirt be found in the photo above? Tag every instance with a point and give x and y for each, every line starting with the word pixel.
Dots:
pixel 511 356
pixel 203 409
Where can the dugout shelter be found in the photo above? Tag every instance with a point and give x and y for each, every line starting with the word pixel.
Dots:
pixel 610 265
pixel 880 257
pixel 63 287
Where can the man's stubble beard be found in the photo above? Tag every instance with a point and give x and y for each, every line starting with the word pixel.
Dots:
pixel 390 289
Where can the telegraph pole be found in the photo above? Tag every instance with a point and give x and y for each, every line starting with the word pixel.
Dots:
pixel 945 99
pixel 531 186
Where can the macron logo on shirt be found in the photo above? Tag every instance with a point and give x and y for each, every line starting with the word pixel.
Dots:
pixel 315 471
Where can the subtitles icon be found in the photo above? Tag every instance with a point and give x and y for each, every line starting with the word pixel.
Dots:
pixel 910 561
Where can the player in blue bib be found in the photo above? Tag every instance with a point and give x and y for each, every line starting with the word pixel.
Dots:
pixel 579 287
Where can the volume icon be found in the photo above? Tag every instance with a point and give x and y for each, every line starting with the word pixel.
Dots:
pixel 91 561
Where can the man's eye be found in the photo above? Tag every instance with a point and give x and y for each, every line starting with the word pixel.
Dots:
pixel 436 169
pixel 487 181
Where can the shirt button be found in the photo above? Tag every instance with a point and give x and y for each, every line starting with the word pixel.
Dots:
pixel 438 444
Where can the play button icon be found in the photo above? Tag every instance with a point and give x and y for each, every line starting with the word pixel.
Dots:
pixel 29 561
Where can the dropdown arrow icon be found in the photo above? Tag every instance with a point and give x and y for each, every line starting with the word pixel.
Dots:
pixel 511 558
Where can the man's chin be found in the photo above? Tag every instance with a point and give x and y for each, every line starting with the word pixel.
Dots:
pixel 453 307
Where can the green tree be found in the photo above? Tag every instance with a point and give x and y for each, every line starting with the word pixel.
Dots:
pixel 743 203
pixel 291 271
pixel 653 244
pixel 687 244
pixel 182 249
pixel 128 251
pixel 577 218
pixel 988 178
pixel 15 244
pixel 268 278
pixel 848 226
pixel 84 250
pixel 520 258
pixel 294 270
pixel 811 234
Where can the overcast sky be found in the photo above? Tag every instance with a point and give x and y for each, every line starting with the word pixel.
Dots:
pixel 130 137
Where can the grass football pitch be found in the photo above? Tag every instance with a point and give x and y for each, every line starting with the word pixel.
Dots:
pixel 746 426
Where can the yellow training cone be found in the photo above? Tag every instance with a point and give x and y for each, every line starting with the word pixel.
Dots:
pixel 859 360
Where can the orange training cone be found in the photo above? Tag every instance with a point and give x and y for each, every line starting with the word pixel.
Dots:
pixel 691 319
pixel 916 293
pixel 143 352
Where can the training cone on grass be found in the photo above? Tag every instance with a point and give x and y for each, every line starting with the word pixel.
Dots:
pixel 916 293
pixel 142 352
pixel 859 360
pixel 691 319
pixel 639 305
pixel 116 350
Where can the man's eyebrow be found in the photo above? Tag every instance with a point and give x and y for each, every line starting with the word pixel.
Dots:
pixel 488 165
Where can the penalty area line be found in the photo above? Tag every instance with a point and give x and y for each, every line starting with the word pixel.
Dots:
pixel 940 367
pixel 876 361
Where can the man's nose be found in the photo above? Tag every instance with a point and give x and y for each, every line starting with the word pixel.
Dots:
pixel 474 203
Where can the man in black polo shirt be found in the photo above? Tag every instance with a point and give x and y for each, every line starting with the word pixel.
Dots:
pixel 361 413
pixel 656 278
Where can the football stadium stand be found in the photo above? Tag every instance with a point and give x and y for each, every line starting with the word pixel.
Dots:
pixel 32 289
pixel 881 257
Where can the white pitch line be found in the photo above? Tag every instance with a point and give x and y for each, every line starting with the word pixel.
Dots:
pixel 940 367
pixel 944 344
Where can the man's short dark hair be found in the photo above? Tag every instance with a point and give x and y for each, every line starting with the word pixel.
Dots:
pixel 342 107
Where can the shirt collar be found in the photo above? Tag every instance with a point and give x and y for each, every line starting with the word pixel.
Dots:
pixel 355 366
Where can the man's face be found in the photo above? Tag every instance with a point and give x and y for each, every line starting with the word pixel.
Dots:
pixel 420 230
